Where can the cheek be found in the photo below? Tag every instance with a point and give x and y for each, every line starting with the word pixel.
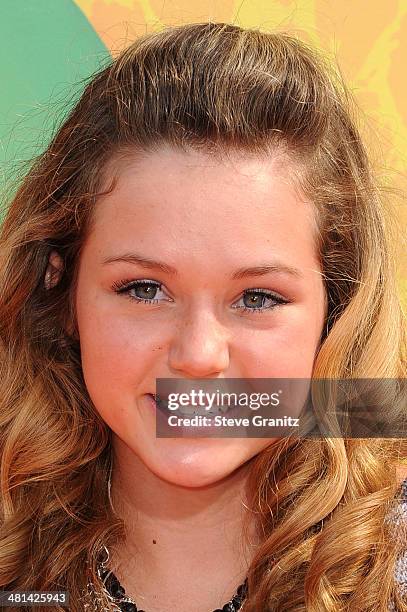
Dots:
pixel 287 350
pixel 110 337
pixel 116 357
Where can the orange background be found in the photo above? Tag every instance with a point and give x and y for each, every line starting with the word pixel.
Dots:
pixel 367 38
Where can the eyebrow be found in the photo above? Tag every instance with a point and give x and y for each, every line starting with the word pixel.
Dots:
pixel 152 264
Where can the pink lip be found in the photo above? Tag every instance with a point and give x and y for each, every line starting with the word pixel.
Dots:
pixel 191 430
pixel 152 400
pixel 151 396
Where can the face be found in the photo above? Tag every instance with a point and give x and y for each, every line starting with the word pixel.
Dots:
pixel 184 223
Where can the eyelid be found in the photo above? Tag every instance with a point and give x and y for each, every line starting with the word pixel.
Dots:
pixel 268 292
pixel 128 283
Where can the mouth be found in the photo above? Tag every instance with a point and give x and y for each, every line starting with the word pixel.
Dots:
pixel 161 403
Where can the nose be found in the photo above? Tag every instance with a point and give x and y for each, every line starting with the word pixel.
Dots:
pixel 200 346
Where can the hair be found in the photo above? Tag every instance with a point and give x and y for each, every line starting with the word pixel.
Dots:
pixel 320 504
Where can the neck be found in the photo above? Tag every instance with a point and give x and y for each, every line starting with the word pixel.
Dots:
pixel 184 547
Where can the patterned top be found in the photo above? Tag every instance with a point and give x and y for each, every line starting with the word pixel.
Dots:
pixel 401 517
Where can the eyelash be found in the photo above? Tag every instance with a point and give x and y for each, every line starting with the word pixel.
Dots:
pixel 124 287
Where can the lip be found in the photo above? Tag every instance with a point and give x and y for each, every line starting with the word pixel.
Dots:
pixel 161 404
pixel 195 431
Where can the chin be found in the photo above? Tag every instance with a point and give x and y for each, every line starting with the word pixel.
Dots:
pixel 194 463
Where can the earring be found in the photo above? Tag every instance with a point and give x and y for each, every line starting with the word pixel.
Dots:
pixel 109 486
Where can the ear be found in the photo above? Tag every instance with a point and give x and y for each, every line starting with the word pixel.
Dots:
pixel 54 270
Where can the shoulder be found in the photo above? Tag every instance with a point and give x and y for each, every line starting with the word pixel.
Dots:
pixel 398 513
pixel 400 518
pixel 401 473
pixel 402 490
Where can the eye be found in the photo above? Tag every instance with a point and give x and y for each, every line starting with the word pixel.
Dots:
pixel 260 301
pixel 254 300
pixel 141 290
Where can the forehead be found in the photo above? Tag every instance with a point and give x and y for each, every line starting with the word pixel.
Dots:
pixel 189 199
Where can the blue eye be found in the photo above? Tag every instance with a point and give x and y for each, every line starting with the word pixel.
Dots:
pixel 144 290
pixel 254 300
pixel 260 301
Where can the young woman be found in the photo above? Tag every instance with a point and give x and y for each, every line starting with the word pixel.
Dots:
pixel 206 211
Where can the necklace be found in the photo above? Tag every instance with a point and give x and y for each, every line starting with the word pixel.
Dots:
pixel 117 595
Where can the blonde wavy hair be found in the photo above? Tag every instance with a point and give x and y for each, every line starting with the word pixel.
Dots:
pixel 321 504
